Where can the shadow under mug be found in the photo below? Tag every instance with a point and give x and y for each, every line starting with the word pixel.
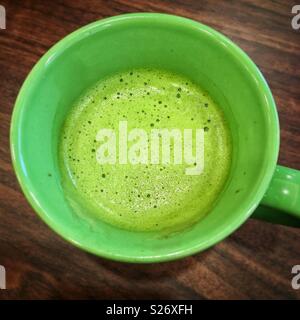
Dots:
pixel 167 42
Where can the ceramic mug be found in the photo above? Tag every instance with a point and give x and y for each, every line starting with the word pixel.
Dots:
pixel 180 45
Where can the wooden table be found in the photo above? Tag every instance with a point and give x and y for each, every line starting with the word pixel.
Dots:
pixel 255 262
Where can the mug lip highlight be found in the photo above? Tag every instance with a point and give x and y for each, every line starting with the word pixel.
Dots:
pixel 85 31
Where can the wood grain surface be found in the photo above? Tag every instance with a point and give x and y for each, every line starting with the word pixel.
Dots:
pixel 255 262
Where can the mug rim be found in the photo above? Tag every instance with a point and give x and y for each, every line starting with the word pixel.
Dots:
pixel 86 31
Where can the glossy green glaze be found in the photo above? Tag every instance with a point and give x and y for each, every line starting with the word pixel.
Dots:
pixel 281 203
pixel 128 42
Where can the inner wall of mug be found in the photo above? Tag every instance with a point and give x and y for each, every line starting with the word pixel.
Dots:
pixel 105 48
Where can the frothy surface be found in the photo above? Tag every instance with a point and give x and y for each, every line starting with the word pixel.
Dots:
pixel 145 197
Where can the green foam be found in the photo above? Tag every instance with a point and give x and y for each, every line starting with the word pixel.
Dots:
pixel 144 197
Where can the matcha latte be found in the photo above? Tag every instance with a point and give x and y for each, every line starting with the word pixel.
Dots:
pixel 142 195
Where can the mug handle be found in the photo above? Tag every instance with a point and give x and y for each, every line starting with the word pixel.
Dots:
pixel 281 203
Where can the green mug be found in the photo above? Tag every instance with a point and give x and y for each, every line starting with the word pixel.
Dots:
pixel 180 45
